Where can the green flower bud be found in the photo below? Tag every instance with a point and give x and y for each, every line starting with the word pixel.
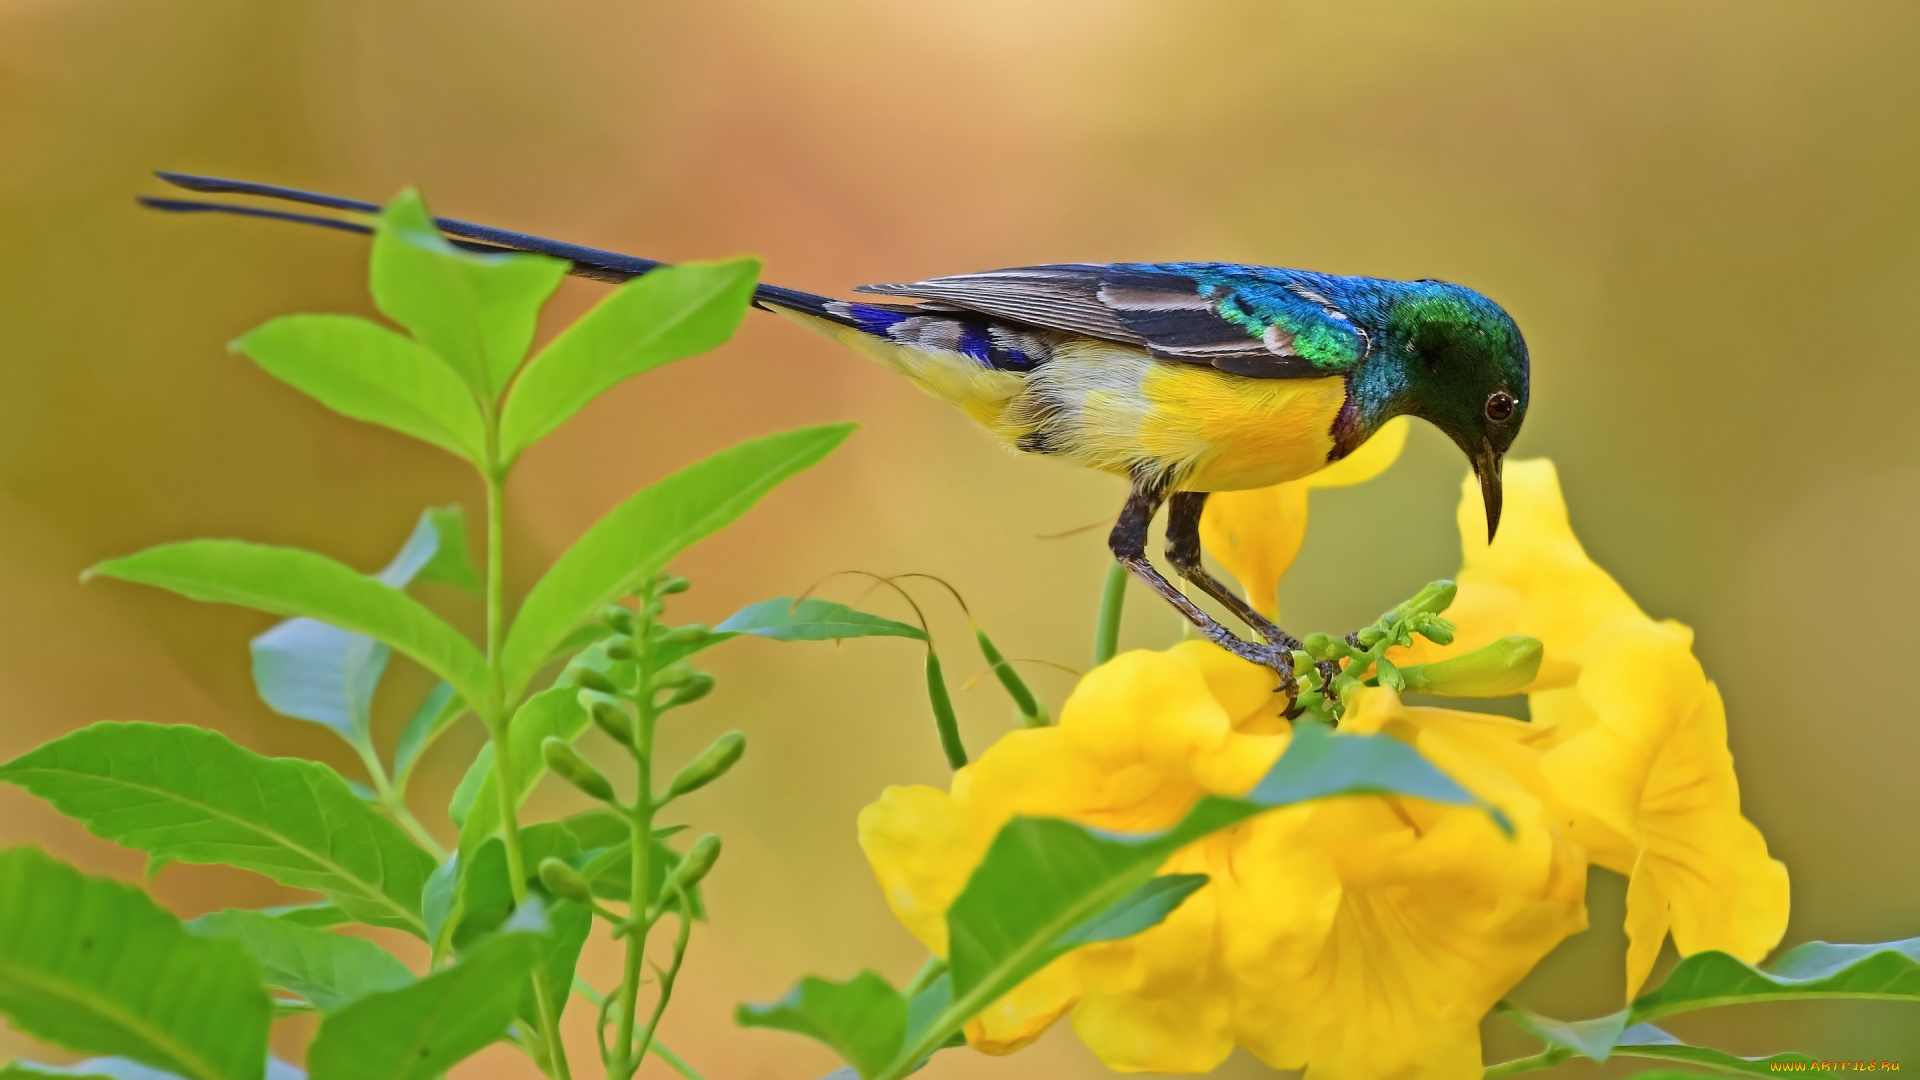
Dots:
pixel 673 675
pixel 564 881
pixel 1432 600
pixel 620 618
pixel 618 649
pixel 695 865
pixel 567 763
pixel 609 714
pixel 1323 646
pixel 711 765
pixel 1497 670
pixel 1390 674
pixel 690 634
pixel 699 686
pixel 1434 629
pixel 589 678
pixel 674 584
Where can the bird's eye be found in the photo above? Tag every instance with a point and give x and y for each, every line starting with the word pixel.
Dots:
pixel 1500 406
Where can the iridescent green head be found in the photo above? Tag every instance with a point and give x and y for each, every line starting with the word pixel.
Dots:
pixel 1455 359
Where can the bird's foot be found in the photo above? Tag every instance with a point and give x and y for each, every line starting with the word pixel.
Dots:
pixel 1275 656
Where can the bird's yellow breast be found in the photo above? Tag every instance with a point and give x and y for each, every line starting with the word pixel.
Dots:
pixel 1236 432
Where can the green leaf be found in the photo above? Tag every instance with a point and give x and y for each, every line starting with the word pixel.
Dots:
pixel 117 1068
pixel 666 315
pixel 1887 972
pixel 1143 909
pixel 420 1031
pixel 327 970
pixel 440 904
pixel 1815 970
pixel 288 581
pixel 448 562
pixel 81 959
pixel 309 670
pixel 571 924
pixel 318 916
pixel 945 721
pixel 555 712
pixel 437 713
pixel 1602 1039
pixel 640 535
pixel 1647 1041
pixel 1032 713
pixel 811 619
pixel 863 1019
pixel 476 312
pixel 367 372
pixel 193 795
pixel 486 900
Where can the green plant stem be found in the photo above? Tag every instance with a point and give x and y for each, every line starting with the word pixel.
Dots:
pixel 497 715
pixel 640 817
pixel 1106 639
pixel 678 1063
pixel 929 971
pixel 395 803
pixel 660 1049
pixel 667 976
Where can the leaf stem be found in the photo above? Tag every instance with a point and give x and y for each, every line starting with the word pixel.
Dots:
pixel 679 1063
pixel 497 714
pixel 1106 639
pixel 935 967
pixel 394 802
pixel 1545 1059
pixel 667 977
pixel 640 836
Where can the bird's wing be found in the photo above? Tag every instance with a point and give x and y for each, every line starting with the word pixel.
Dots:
pixel 1263 324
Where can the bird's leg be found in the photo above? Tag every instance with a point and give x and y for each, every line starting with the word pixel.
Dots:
pixel 1183 551
pixel 1128 542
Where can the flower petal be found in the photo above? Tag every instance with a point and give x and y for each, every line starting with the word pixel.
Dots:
pixel 1026 1012
pixel 1367 461
pixel 1644 770
pixel 1256 535
pixel 917 842
pixel 1534 579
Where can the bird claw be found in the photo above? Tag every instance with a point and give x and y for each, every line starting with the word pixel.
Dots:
pixel 1277 658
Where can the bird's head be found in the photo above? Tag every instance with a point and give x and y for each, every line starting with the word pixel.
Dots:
pixel 1455 359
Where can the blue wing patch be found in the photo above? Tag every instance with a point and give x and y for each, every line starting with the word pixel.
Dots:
pixel 987 342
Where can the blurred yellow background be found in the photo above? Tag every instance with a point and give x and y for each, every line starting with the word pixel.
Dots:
pixel 1702 215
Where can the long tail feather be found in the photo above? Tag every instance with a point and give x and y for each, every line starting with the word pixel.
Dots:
pixel 587 262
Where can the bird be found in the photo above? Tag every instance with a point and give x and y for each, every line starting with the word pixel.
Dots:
pixel 1184 378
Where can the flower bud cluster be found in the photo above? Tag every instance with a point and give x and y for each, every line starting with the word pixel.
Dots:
pixel 624 681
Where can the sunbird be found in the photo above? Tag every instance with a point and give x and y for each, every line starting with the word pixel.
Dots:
pixel 1185 378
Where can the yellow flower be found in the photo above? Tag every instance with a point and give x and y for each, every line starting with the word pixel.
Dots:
pixel 1359 937
pixel 1634 735
pixel 1535 579
pixel 1257 534
pixel 1138 743
pixel 1422 916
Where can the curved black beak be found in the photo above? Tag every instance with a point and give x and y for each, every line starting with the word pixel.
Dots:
pixel 1486 466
